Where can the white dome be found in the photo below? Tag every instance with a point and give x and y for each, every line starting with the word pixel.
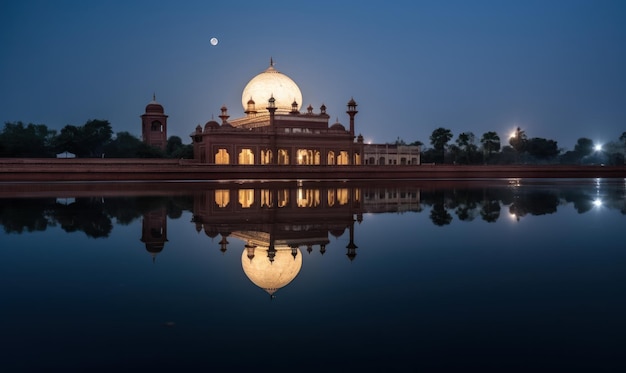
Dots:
pixel 270 83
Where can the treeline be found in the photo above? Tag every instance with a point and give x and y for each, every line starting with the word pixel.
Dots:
pixel 489 149
pixel 94 139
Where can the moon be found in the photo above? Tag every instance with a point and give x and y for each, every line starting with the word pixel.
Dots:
pixel 214 41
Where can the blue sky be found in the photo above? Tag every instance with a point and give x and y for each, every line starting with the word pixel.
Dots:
pixel 554 68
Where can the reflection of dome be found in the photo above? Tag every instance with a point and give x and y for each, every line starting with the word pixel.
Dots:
pixel 271 276
pixel 337 232
pixel 271 82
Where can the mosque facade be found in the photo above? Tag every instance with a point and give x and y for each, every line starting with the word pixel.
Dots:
pixel 275 131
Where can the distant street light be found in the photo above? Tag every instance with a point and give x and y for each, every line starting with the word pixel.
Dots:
pixel 598 148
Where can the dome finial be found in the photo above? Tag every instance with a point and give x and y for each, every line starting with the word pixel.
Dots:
pixel 153 96
pixel 271 62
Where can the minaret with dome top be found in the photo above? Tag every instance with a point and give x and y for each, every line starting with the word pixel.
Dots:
pixel 154 125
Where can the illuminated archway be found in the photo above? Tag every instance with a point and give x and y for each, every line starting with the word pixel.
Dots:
pixel 308 156
pixel 266 156
pixel 331 197
pixel 343 158
pixel 283 197
pixel 222 156
pixel 246 198
pixel 246 156
pixel 343 196
pixel 330 160
pixel 222 197
pixel 308 197
pixel 266 198
pixel 283 156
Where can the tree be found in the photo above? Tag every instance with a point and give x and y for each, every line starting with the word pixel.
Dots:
pixel 491 143
pixel 124 145
pixel 32 140
pixel 542 149
pixel 176 149
pixel 67 140
pixel 95 135
pixel 518 141
pixel 86 141
pixel 584 147
pixel 467 146
pixel 439 139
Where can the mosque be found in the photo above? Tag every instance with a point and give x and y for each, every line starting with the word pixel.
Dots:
pixel 274 131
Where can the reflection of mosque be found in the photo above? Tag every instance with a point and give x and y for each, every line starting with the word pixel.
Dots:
pixel 276 223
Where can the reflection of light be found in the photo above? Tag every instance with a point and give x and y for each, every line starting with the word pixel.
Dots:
pixel 515 182
pixel 597 202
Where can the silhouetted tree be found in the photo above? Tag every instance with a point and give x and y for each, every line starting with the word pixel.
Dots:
pixel 491 143
pixel 468 149
pixel 86 141
pixel 439 215
pixel 518 141
pixel 542 149
pixel 439 139
pixel 176 149
pixel 584 147
pixel 32 140
pixel 124 145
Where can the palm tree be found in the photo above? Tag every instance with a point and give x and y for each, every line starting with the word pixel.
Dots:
pixel 490 142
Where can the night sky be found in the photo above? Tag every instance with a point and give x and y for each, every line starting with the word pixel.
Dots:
pixel 557 69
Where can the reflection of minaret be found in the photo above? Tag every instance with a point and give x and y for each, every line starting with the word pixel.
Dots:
pixel 351 245
pixel 224 243
pixel 154 231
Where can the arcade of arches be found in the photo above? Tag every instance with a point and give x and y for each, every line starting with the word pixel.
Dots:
pixel 247 156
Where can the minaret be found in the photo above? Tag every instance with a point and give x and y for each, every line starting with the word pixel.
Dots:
pixel 154 125
pixel 271 107
pixel 224 116
pixel 352 112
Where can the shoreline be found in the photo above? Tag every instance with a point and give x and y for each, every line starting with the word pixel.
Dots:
pixel 111 170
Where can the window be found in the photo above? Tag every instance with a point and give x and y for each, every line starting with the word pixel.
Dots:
pixel 222 157
pixel 246 156
pixel 222 197
pixel 246 198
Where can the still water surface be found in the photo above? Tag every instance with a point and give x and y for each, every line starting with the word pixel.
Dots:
pixel 500 275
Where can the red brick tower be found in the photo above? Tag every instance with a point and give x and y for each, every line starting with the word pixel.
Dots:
pixel 154 125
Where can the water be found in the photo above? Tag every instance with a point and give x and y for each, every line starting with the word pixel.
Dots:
pixel 487 275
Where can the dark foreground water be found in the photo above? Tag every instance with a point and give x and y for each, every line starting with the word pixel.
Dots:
pixel 505 275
